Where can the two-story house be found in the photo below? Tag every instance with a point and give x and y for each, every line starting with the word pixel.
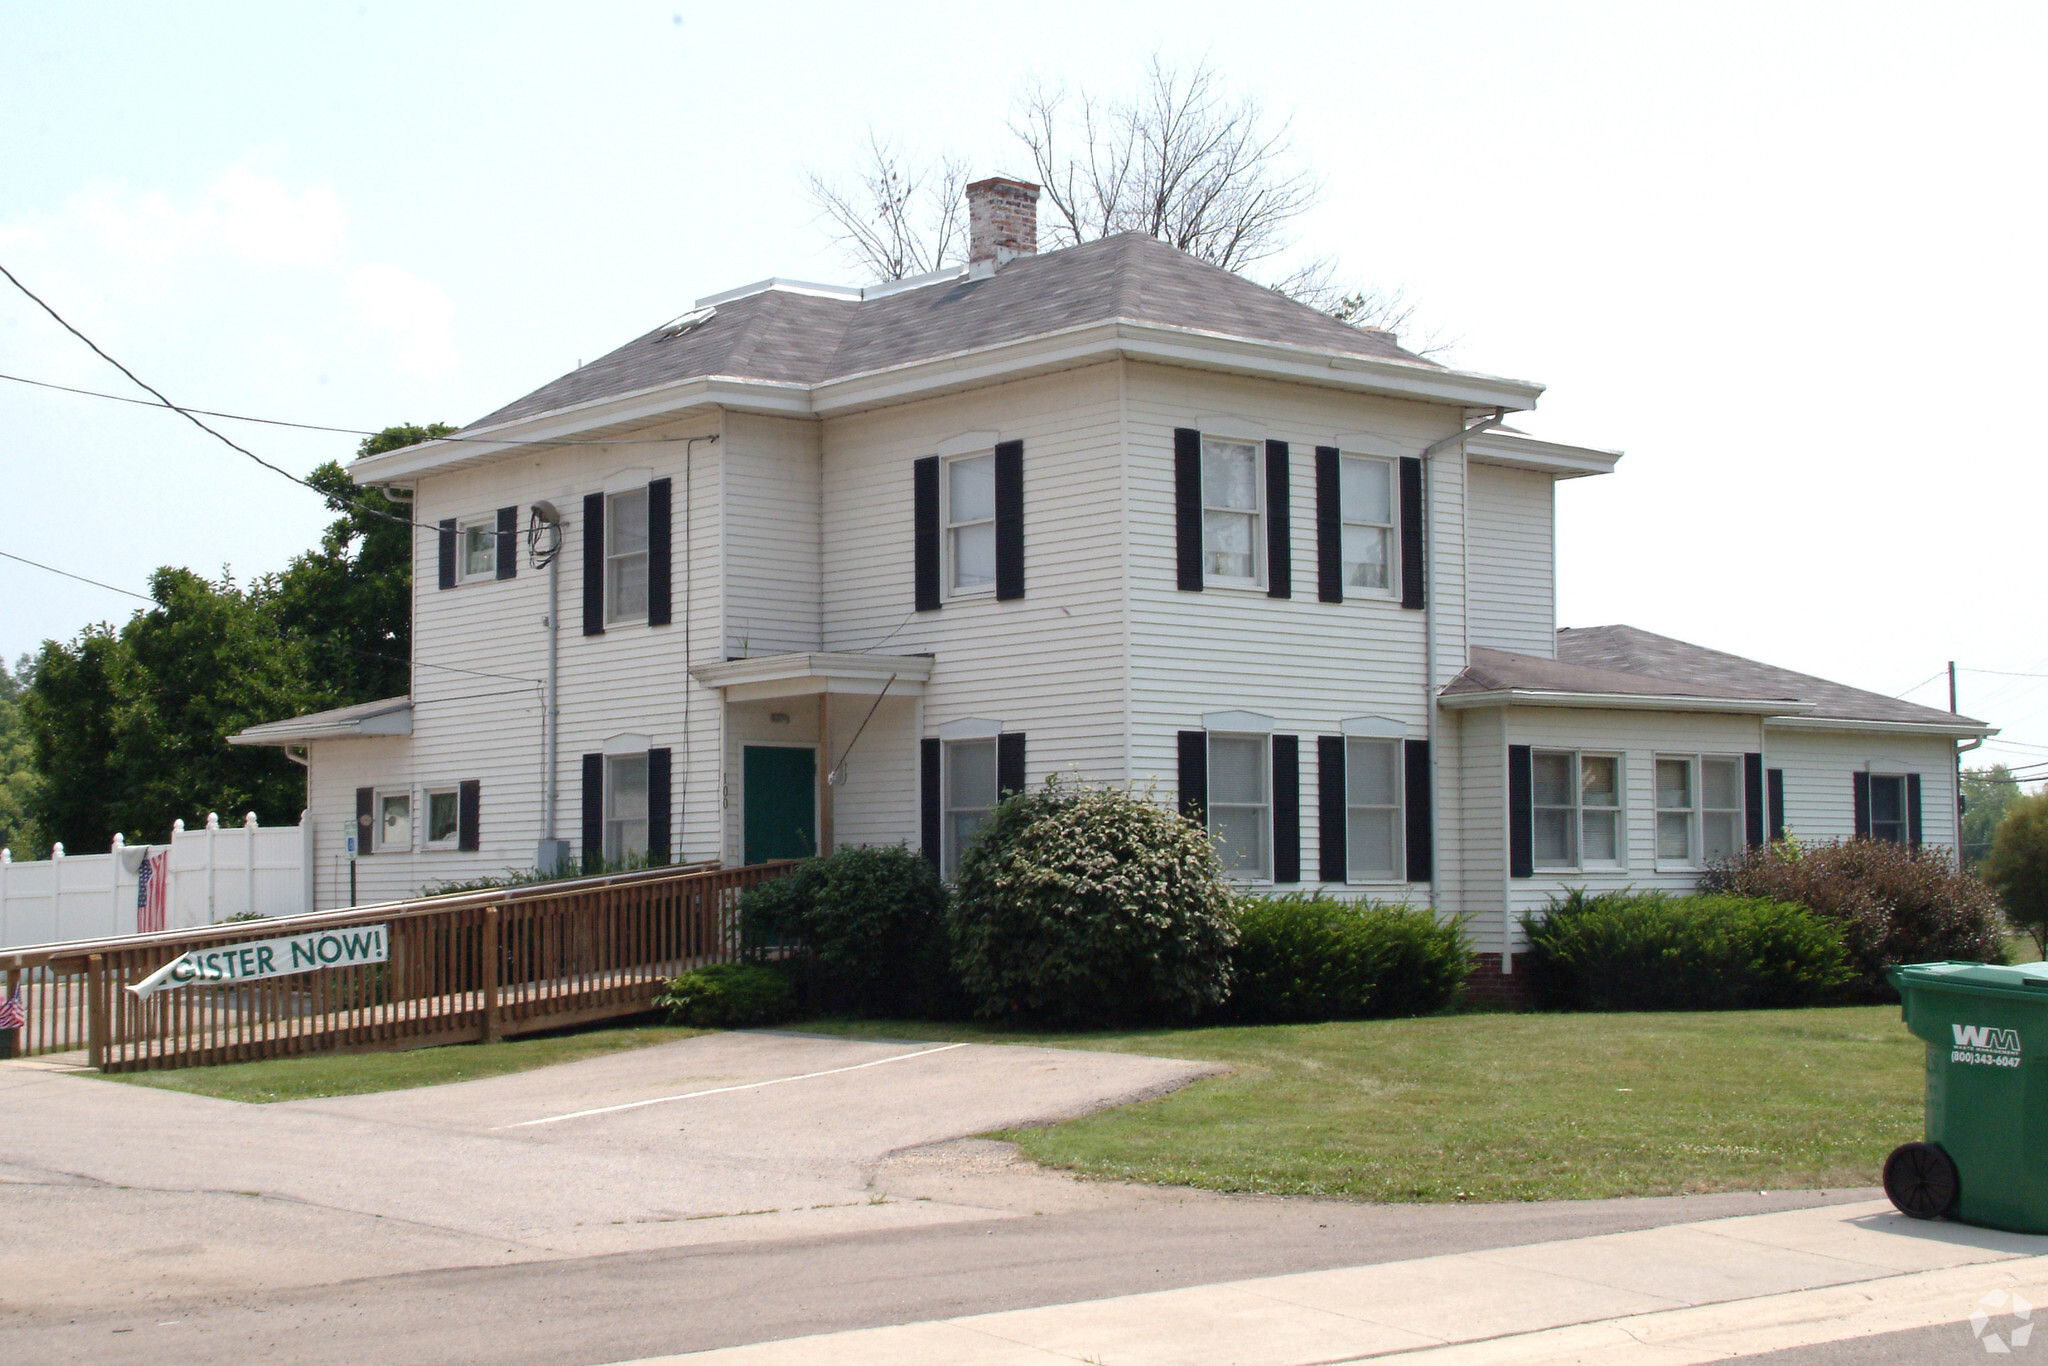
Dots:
pixel 811 566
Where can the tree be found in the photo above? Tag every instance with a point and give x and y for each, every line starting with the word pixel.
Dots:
pixel 2018 866
pixel 1179 158
pixel 1988 793
pixel 17 763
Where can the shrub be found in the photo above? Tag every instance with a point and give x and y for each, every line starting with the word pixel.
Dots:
pixel 2018 866
pixel 1653 951
pixel 729 996
pixel 1088 906
pixel 1307 956
pixel 1893 904
pixel 869 925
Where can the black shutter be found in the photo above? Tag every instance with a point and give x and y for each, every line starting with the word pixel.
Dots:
pixel 930 755
pixel 366 819
pixel 593 810
pixel 660 808
pixel 1913 809
pixel 1753 799
pixel 924 531
pixel 469 815
pixel 1521 813
pixel 446 547
pixel 1286 808
pixel 1009 763
pixel 1279 524
pixel 1859 796
pixel 1187 509
pixel 1418 811
pixel 1009 520
pixel 1413 589
pixel 508 542
pixel 1194 774
pixel 1776 779
pixel 1329 525
pixel 659 530
pixel 593 564
pixel 1332 855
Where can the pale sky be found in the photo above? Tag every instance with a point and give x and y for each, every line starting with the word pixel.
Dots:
pixel 1788 258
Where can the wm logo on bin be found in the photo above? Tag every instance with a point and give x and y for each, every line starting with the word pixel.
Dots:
pixel 1983 1039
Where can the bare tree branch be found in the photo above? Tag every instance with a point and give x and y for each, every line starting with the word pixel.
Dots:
pixel 901 216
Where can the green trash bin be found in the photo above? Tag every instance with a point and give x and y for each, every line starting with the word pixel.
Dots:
pixel 1985 1157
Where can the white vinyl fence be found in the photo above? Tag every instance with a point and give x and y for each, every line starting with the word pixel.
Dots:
pixel 214 873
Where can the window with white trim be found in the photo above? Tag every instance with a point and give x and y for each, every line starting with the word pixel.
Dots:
pixel 1720 807
pixel 479 560
pixel 1888 807
pixel 1675 842
pixel 970 503
pixel 970 795
pixel 1232 509
pixel 394 820
pixel 625 557
pixel 1366 496
pixel 444 817
pixel 625 807
pixel 1576 809
pixel 1240 803
pixel 1374 849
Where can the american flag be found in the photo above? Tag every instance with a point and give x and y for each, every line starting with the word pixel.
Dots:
pixel 13 1015
pixel 151 883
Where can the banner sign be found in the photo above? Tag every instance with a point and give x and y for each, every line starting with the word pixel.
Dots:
pixel 344 948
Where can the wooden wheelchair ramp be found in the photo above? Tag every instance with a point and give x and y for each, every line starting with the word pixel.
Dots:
pixel 471 966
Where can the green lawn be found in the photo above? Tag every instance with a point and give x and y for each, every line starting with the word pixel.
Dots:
pixel 354 1074
pixel 1505 1107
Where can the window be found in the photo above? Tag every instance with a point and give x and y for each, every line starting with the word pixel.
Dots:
pixel 1366 489
pixel 625 557
pixel 1230 511
pixel 970 794
pixel 1674 810
pixel 394 820
pixel 1239 807
pixel 444 817
pixel 1888 807
pixel 970 523
pixel 1720 808
pixel 1576 809
pixel 625 807
pixel 1372 810
pixel 479 551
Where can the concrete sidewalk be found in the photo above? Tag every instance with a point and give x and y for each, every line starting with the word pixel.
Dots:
pixel 1696 1292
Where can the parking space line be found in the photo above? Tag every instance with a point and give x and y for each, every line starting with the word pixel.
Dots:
pixel 722 1090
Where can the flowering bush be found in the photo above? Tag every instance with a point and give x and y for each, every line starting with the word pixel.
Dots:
pixel 1092 905
pixel 1893 904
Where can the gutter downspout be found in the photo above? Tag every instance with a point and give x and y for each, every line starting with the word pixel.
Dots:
pixel 1429 590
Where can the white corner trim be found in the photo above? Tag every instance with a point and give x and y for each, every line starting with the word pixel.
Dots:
pixel 1374 727
pixel 970 728
pixel 626 743
pixel 1248 722
pixel 968 443
pixel 1231 427
pixel 626 480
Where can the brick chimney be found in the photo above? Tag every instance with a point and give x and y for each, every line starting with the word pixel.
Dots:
pixel 1002 216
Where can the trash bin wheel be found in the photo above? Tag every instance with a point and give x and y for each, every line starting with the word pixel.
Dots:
pixel 1921 1180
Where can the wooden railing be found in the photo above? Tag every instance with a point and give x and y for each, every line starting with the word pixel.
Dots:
pixel 470 966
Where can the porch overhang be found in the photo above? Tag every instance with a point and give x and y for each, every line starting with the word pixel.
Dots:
pixel 766 678
pixel 390 716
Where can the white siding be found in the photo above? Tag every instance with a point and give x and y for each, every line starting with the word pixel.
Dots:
pixel 1476 863
pixel 1819 792
pixel 1512 560
pixel 1050 665
pixel 772 536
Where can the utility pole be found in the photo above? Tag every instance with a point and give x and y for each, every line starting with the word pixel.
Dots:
pixel 1951 687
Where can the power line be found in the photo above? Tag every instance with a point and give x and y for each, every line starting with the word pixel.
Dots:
pixel 306 640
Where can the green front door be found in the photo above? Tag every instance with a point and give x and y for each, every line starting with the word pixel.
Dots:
pixel 780 795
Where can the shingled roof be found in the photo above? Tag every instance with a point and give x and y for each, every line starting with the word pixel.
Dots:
pixel 1629 662
pixel 786 335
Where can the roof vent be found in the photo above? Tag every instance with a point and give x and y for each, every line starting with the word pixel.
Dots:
pixel 695 318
